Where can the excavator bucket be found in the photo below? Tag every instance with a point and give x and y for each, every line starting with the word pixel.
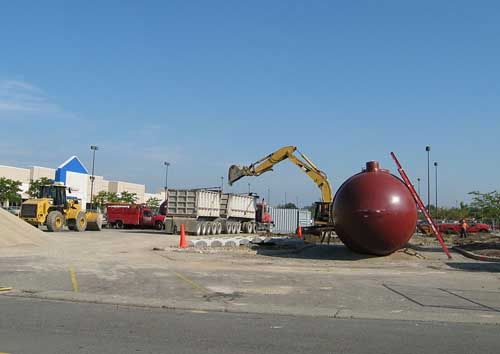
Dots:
pixel 235 173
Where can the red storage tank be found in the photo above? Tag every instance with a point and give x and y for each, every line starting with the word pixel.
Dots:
pixel 374 212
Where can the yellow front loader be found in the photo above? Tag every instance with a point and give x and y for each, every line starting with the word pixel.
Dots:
pixel 53 209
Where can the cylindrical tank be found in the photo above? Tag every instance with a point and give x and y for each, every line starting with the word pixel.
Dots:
pixel 374 212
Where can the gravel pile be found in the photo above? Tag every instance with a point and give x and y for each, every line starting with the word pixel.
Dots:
pixel 14 232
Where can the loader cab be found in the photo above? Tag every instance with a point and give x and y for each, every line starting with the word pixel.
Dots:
pixel 55 192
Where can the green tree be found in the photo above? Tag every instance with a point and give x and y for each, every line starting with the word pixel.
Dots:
pixel 153 203
pixel 485 205
pixel 9 191
pixel 35 186
pixel 100 199
pixel 127 197
pixel 288 206
pixel 112 197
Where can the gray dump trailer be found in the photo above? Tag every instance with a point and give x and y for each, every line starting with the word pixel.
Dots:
pixel 208 212
pixel 238 213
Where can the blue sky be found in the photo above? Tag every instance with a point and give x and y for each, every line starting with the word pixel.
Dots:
pixel 208 84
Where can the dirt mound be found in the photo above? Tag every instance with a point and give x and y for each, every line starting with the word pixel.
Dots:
pixel 15 232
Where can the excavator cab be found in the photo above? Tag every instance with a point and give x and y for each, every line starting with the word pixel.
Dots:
pixel 322 213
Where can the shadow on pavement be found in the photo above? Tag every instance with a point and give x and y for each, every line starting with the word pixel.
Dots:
pixel 326 252
pixel 426 248
pixel 476 266
pixel 144 231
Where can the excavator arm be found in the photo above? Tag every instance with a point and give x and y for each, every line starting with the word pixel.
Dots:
pixel 288 152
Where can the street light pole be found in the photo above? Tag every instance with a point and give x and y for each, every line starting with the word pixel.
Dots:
pixel 428 149
pixel 248 188
pixel 166 164
pixel 94 148
pixel 436 171
pixel 222 183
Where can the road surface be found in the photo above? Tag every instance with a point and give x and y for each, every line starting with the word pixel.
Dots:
pixel 41 326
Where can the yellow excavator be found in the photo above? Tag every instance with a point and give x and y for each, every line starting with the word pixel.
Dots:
pixel 53 209
pixel 322 216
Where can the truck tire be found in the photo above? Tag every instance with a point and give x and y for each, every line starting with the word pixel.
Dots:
pixel 203 228
pixel 55 221
pixel 159 226
pixel 198 228
pixel 254 228
pixel 247 227
pixel 238 228
pixel 219 228
pixel 119 224
pixel 80 222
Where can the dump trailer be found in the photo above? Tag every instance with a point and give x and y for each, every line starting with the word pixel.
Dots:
pixel 197 209
pixel 211 212
pixel 238 213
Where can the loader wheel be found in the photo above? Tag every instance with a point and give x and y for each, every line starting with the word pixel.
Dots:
pixel 80 222
pixel 55 221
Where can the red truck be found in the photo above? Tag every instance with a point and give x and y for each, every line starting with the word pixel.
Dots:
pixel 455 228
pixel 122 215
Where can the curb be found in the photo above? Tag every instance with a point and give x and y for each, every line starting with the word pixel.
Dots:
pixel 476 256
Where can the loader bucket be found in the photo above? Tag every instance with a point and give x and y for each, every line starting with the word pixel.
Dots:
pixel 235 173
pixel 94 221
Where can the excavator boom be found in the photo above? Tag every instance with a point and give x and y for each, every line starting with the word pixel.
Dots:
pixel 267 163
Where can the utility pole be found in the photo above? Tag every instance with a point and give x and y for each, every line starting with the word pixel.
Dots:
pixel 221 183
pixel 436 171
pixel 248 188
pixel 428 149
pixel 166 164
pixel 94 148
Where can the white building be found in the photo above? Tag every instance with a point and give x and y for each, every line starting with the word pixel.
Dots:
pixel 73 174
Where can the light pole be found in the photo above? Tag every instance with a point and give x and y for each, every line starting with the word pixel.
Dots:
pixel 94 148
pixel 428 149
pixel 221 183
pixel 436 172
pixel 249 188
pixel 166 164
pixel 418 186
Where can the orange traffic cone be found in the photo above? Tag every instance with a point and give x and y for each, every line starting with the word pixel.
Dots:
pixel 299 232
pixel 183 243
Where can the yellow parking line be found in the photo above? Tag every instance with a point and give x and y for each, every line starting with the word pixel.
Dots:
pixel 191 282
pixel 74 282
pixel 7 288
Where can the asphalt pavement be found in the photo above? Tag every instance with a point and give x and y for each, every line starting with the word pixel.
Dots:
pixel 43 326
